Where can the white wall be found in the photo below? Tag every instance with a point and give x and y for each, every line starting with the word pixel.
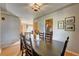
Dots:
pixel 10 29
pixel 61 34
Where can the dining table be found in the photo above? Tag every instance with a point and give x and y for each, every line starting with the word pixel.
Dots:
pixel 43 48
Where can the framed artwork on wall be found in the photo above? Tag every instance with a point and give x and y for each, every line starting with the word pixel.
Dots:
pixel 70 23
pixel 61 24
pixel 70 20
pixel 70 27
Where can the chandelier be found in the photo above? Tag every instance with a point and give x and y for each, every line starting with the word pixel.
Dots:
pixel 36 6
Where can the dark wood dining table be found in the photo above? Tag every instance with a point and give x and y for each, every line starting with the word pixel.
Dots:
pixel 53 48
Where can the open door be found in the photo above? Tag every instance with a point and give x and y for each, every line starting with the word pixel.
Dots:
pixel 48 31
pixel 49 25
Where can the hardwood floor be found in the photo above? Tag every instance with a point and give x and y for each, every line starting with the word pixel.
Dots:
pixel 69 54
pixel 14 50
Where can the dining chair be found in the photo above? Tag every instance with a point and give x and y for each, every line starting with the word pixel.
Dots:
pixel 65 46
pixel 30 51
pixel 48 37
pixel 27 49
pixel 28 44
pixel 41 35
pixel 23 45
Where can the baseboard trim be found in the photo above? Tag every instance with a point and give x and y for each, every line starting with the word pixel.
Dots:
pixel 10 44
pixel 14 44
pixel 17 42
pixel 74 53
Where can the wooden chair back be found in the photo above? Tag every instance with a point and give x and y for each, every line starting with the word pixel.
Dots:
pixel 41 35
pixel 48 37
pixel 29 47
pixel 65 46
pixel 22 44
pixel 26 45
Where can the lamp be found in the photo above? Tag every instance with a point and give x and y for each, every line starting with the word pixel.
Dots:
pixel 36 6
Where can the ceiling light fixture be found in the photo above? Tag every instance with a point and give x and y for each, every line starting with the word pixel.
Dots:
pixel 36 6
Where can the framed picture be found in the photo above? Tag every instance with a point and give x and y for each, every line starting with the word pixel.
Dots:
pixel 70 20
pixel 61 24
pixel 70 27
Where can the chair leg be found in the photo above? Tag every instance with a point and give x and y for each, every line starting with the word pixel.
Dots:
pixel 35 54
pixel 22 53
pixel 25 52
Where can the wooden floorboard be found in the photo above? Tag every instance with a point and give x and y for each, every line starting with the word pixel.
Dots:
pixel 15 51
pixel 11 50
pixel 69 54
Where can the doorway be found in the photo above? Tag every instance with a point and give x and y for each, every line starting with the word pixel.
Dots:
pixel 49 25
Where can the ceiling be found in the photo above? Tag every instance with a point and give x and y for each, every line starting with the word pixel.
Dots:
pixel 24 10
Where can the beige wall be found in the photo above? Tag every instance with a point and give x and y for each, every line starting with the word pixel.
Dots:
pixel 61 34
